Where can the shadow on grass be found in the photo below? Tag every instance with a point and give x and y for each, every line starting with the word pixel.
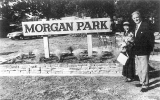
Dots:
pixel 6 53
pixel 153 73
pixel 155 84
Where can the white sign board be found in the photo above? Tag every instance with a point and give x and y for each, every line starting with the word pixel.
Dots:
pixel 67 26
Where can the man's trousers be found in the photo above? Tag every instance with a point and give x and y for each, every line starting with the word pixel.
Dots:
pixel 142 69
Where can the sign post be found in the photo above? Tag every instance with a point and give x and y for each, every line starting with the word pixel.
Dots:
pixel 46 46
pixel 89 41
pixel 46 43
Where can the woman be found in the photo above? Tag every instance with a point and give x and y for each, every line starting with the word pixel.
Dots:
pixel 128 45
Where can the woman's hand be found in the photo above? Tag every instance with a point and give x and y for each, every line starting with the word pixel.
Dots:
pixel 131 34
pixel 128 39
pixel 123 49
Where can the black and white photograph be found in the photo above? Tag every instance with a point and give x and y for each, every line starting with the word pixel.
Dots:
pixel 79 49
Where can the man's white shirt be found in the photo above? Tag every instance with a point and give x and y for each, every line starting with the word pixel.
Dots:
pixel 138 25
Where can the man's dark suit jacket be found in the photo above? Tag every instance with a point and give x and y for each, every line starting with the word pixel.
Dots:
pixel 144 40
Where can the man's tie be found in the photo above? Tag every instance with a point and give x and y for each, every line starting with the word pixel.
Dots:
pixel 136 29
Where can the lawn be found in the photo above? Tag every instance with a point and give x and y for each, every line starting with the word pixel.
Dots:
pixel 75 88
pixel 69 87
pixel 59 46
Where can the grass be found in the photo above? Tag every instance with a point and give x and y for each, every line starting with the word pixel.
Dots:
pixel 58 45
pixel 63 88
pixel 74 88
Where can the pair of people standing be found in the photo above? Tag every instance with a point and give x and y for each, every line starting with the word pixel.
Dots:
pixel 139 46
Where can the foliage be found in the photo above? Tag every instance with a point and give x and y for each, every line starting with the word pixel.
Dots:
pixel 70 49
pixel 56 8
pixel 77 53
pixel 90 8
pixel 58 53
pixel 148 8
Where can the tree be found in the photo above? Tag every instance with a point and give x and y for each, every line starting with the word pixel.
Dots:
pixel 148 8
pixel 90 8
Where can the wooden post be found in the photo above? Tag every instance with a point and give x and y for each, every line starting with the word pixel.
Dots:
pixel 89 41
pixel 46 46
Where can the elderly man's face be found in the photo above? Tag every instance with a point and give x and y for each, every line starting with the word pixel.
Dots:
pixel 136 18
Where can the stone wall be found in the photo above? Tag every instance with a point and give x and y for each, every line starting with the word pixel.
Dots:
pixel 62 69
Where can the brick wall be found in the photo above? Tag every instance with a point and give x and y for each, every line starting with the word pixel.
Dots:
pixel 61 69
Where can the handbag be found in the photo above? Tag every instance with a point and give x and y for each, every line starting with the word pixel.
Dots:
pixel 122 58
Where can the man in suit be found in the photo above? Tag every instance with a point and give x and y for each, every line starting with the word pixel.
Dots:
pixel 144 40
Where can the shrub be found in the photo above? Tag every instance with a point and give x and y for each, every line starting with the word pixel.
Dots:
pixel 77 53
pixel 20 55
pixel 115 51
pixel 99 53
pixel 70 49
pixel 58 53
pixel 38 55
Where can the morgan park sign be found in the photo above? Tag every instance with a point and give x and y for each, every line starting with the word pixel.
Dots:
pixel 70 26
pixel 66 26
